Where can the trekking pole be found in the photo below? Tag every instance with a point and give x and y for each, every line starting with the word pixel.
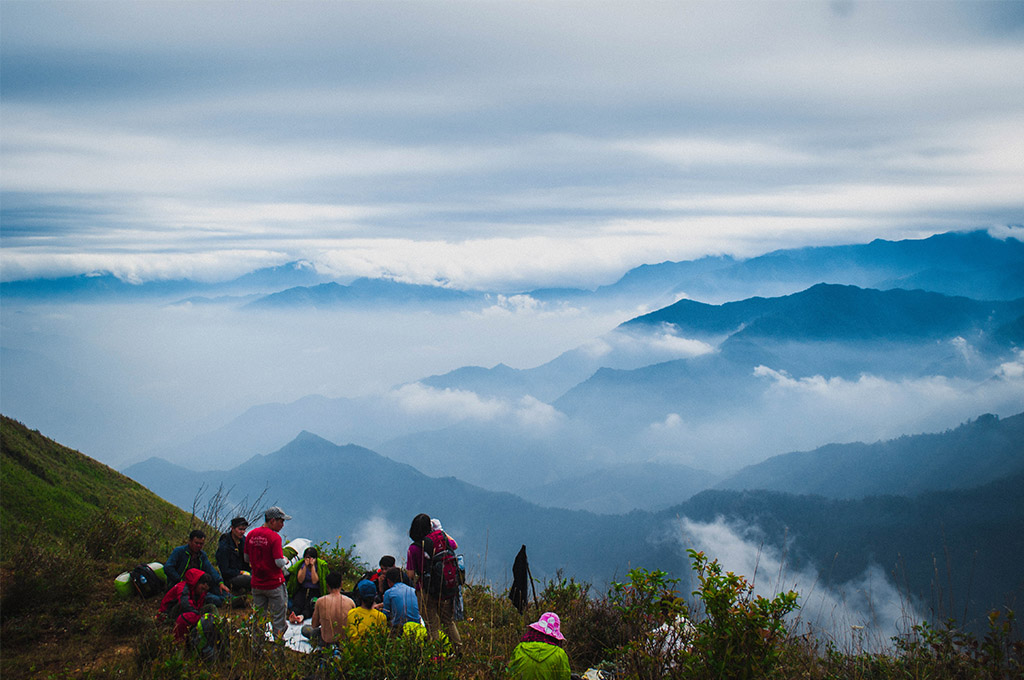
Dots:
pixel 529 575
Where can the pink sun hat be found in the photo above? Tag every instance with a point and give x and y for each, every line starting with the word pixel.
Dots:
pixel 549 624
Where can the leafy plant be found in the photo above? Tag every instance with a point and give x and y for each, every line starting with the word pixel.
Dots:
pixel 740 635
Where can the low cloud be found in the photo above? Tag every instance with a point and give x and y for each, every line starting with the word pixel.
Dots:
pixel 377 537
pixel 864 613
pixel 453 406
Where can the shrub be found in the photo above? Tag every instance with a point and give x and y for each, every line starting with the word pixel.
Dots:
pixel 343 560
pixel 740 635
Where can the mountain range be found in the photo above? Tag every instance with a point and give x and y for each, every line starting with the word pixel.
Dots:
pixel 695 385
pixel 971 264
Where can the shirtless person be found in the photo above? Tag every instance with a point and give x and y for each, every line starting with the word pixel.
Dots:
pixel 330 614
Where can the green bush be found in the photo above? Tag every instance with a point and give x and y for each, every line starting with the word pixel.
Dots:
pixel 343 560
pixel 592 626
pixel 740 635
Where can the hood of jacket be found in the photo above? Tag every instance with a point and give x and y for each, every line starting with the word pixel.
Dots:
pixel 192 577
pixel 539 652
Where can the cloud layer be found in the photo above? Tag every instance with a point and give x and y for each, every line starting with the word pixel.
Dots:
pixel 497 145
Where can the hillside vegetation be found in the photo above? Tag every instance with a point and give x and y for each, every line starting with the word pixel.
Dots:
pixel 70 525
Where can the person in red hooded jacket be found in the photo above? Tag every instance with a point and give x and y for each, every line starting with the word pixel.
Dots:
pixel 185 603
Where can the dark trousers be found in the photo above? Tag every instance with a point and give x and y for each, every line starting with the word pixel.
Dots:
pixel 302 601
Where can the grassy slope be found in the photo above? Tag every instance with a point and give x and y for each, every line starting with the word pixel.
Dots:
pixel 39 476
pixel 69 526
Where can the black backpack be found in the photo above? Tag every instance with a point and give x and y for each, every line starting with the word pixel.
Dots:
pixel 145 581
pixel 440 566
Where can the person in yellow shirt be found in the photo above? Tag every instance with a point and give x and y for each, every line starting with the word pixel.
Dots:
pixel 365 617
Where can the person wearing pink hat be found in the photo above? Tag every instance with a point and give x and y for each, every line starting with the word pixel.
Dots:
pixel 540 654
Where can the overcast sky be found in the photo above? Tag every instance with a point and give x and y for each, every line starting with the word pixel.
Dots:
pixel 496 144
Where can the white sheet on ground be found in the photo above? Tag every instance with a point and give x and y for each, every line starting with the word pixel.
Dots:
pixel 293 638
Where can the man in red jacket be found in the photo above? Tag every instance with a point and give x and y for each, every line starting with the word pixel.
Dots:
pixel 265 555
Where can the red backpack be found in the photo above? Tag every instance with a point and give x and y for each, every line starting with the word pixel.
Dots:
pixel 440 566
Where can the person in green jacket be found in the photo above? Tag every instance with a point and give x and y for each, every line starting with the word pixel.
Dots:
pixel 307 580
pixel 539 656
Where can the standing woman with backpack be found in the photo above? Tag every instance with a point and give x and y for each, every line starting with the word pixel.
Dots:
pixel 432 565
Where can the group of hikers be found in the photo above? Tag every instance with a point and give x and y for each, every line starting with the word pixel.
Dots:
pixel 422 599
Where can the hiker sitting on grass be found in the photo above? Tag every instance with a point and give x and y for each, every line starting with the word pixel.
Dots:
pixel 305 584
pixel 186 602
pixel 191 556
pixel 377 577
pixel 231 557
pixel 330 614
pixel 364 617
pixel 539 656
pixel 400 605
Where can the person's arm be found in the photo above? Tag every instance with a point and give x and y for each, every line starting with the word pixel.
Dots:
pixel 218 582
pixel 170 568
pixel 223 556
pixel 185 601
pixel 315 576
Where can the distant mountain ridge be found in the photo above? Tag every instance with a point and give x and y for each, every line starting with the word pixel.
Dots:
pixel 971 264
pixel 365 291
pixel 976 453
pixel 838 312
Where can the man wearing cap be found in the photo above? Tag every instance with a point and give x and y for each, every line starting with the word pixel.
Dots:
pixel 231 556
pixel 265 555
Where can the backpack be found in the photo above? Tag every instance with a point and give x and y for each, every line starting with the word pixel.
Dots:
pixel 440 566
pixel 145 581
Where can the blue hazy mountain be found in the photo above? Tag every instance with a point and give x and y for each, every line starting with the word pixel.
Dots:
pixel 957 552
pixel 838 313
pixel 827 330
pixel 104 286
pixel 622 488
pixel 608 407
pixel 972 264
pixel 366 292
pixel 976 453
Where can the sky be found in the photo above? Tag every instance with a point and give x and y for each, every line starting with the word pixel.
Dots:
pixel 495 145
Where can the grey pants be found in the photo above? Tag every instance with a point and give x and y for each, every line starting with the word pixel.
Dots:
pixel 276 603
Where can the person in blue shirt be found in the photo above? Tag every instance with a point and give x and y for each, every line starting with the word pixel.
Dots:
pixel 191 556
pixel 400 605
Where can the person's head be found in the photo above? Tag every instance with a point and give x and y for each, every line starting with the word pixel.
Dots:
pixel 310 553
pixel 393 575
pixel 549 624
pixel 275 518
pixel 334 581
pixel 203 584
pixel 419 528
pixel 196 540
pixel 367 593
pixel 387 562
pixel 238 527
pixel 435 525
